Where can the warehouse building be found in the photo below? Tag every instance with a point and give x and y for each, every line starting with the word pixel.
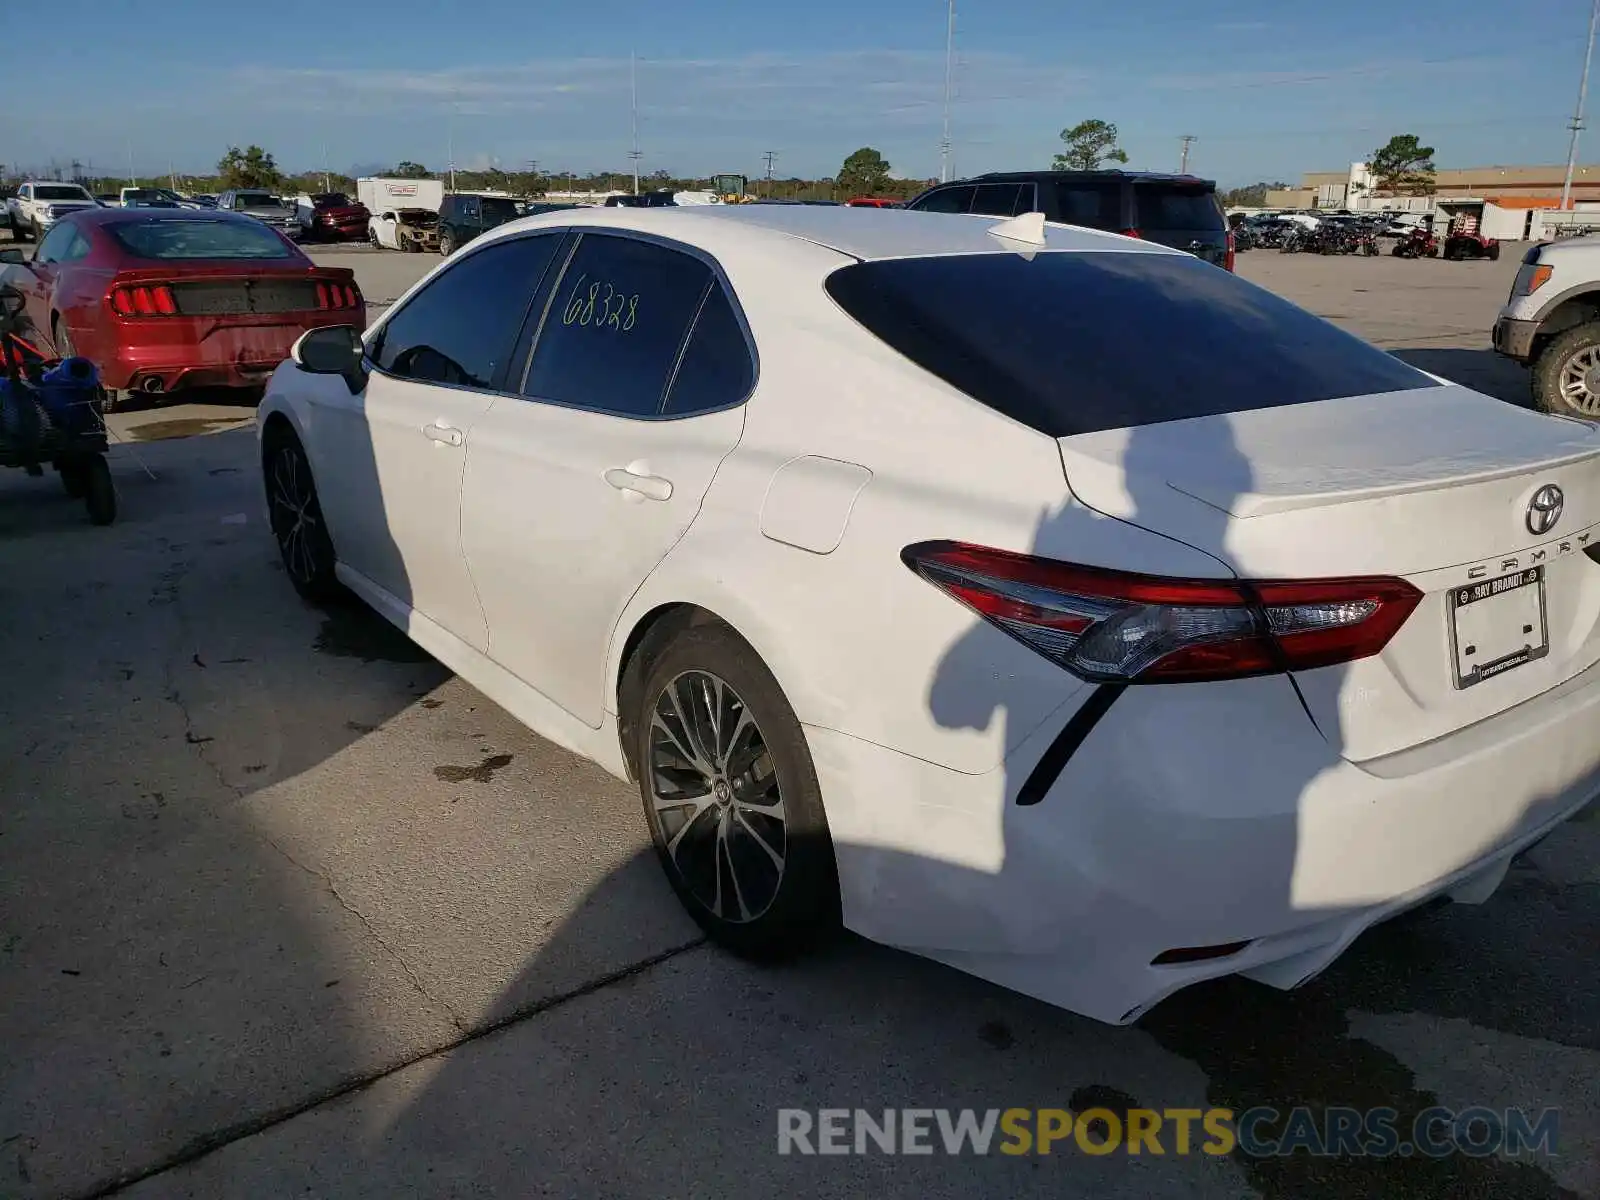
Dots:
pixel 1524 188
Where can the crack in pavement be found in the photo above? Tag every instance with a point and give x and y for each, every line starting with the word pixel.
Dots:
pixel 218 1139
pixel 326 880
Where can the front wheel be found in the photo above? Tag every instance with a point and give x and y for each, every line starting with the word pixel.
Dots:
pixel 297 521
pixel 447 245
pixel 1566 375
pixel 99 496
pixel 731 797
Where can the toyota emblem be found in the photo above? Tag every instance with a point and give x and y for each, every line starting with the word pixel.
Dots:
pixel 1544 510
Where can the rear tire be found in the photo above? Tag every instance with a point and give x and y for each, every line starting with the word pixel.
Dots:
pixel 297 522
pixel 447 245
pixel 74 478
pixel 731 797
pixel 100 494
pixel 1559 373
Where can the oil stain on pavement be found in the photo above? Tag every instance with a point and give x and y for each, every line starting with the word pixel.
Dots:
pixel 482 773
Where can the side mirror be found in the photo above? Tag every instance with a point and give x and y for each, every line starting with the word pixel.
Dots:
pixel 332 350
pixel 12 303
pixel 14 257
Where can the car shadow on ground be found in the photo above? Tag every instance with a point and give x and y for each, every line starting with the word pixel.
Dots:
pixel 1481 370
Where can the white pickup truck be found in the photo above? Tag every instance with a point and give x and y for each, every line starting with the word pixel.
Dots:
pixel 38 205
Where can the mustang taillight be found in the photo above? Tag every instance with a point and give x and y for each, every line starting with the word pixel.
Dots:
pixel 1115 626
pixel 143 300
pixel 337 295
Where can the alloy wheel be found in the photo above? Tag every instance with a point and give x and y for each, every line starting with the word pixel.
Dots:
pixel 715 794
pixel 296 517
pixel 1580 381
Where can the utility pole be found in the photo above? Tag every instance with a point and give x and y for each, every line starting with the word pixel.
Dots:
pixel 327 184
pixel 949 58
pixel 1577 116
pixel 132 182
pixel 770 155
pixel 455 98
pixel 633 88
pixel 1186 139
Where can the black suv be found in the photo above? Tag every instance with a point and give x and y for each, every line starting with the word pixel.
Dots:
pixel 463 216
pixel 1181 211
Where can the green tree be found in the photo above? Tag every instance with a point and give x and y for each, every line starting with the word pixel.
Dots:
pixel 864 173
pixel 1252 196
pixel 411 170
pixel 1089 143
pixel 1402 167
pixel 251 167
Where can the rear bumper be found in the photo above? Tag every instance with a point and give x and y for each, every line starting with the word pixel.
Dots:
pixel 1514 339
pixel 1192 817
pixel 238 355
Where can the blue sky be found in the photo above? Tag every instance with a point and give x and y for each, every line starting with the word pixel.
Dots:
pixel 1269 89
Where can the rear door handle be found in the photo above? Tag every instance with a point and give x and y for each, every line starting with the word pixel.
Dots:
pixel 652 487
pixel 448 435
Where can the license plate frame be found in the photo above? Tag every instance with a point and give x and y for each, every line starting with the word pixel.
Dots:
pixel 1516 596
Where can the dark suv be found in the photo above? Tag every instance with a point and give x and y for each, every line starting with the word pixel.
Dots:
pixel 1176 210
pixel 463 216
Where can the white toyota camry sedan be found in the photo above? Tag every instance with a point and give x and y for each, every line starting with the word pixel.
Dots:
pixel 1040 600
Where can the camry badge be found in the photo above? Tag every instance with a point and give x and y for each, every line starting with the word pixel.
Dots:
pixel 1544 510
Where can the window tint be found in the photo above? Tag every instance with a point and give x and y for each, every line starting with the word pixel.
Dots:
pixel 462 327
pixel 615 325
pixel 716 370
pixel 77 248
pixel 997 199
pixel 1164 208
pixel 60 191
pixel 1097 205
pixel 948 200
pixel 500 209
pixel 1073 343
pixel 165 238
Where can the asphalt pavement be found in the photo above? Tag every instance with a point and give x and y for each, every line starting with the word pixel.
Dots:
pixel 286 910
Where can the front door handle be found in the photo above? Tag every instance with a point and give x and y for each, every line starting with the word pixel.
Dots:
pixel 652 487
pixel 447 435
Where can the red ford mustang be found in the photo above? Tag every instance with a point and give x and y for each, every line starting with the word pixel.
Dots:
pixel 162 299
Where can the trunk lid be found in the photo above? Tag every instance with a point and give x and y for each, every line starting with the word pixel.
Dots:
pixel 1437 486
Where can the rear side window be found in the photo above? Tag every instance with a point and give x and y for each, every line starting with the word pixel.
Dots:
pixel 615 326
pixel 1074 343
pixel 716 370
pixel 946 200
pixel 463 326
pixel 997 199
pixel 1096 204
pixel 1164 208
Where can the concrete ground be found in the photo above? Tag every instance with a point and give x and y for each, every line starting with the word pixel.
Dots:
pixel 286 910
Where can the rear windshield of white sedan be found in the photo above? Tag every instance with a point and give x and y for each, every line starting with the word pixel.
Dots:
pixel 1077 342
pixel 198 238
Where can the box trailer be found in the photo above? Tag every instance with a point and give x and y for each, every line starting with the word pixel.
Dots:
pixel 380 194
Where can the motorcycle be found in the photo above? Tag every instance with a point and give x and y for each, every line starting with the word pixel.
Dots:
pixel 1419 243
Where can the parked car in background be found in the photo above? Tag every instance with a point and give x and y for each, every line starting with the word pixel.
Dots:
pixel 129 194
pixel 263 206
pixel 331 216
pixel 1551 325
pixel 655 199
pixel 108 198
pixel 1181 211
pixel 465 215
pixel 204 200
pixel 1188 637
pixel 381 194
pixel 874 202
pixel 161 299
pixel 410 229
pixel 38 205
pixel 533 208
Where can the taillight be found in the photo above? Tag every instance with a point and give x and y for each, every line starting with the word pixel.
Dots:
pixel 337 295
pixel 143 300
pixel 1233 249
pixel 1115 626
pixel 1133 233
